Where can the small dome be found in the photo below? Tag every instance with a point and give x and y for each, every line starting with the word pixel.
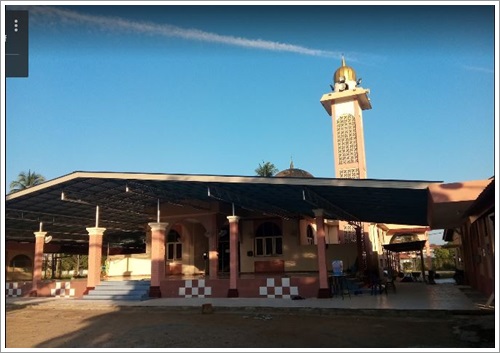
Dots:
pixel 294 173
pixel 344 71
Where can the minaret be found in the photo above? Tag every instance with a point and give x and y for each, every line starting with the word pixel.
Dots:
pixel 345 105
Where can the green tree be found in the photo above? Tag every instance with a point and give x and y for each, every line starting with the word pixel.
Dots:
pixel 266 169
pixel 26 180
pixel 443 259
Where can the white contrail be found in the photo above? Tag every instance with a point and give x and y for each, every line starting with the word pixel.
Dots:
pixel 116 23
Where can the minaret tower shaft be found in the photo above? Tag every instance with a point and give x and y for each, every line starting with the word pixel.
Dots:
pixel 345 105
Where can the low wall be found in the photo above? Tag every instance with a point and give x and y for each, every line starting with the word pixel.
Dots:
pixel 129 265
pixel 279 287
pixel 48 288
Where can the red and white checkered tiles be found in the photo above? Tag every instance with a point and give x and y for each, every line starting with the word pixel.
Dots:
pixel 63 289
pixel 273 290
pixel 12 290
pixel 195 289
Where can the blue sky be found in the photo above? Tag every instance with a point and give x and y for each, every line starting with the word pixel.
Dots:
pixel 219 89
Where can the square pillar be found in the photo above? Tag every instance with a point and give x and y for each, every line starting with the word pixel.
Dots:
pixel 324 290
pixel 213 258
pixel 158 238
pixel 95 257
pixel 37 262
pixel 233 256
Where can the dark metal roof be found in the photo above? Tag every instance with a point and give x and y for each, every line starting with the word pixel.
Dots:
pixel 406 246
pixel 127 201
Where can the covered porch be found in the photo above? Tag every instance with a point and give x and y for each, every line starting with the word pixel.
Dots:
pixel 88 211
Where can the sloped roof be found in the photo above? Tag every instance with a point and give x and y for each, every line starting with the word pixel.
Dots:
pixel 450 201
pixel 484 202
pixel 127 201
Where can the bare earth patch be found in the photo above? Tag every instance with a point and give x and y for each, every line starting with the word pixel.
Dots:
pixel 153 327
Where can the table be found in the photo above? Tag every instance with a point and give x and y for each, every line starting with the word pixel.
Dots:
pixel 339 285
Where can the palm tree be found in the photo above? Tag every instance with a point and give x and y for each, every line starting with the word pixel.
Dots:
pixel 266 169
pixel 26 180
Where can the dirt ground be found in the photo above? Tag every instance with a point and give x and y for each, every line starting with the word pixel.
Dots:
pixel 153 327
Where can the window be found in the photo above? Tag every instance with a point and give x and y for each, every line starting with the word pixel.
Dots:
pixel 268 240
pixel 349 234
pixel 310 235
pixel 174 246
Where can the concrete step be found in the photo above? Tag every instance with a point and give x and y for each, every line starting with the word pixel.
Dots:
pixel 126 283
pixel 117 291
pixel 116 297
pixel 120 290
pixel 123 286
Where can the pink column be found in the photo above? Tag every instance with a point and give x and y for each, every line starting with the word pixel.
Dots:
pixel 158 231
pixel 233 256
pixel 324 291
pixel 210 224
pixel 37 262
pixel 95 257
pixel 213 259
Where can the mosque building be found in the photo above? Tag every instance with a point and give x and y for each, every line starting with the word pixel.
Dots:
pixel 222 236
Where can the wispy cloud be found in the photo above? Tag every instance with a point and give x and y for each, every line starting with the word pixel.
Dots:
pixel 166 30
pixel 479 69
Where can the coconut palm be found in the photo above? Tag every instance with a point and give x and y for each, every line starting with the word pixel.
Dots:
pixel 26 180
pixel 266 169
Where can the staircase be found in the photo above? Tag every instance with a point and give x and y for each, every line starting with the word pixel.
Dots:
pixel 120 290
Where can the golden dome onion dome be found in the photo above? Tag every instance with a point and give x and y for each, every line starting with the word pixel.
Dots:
pixel 293 172
pixel 344 71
